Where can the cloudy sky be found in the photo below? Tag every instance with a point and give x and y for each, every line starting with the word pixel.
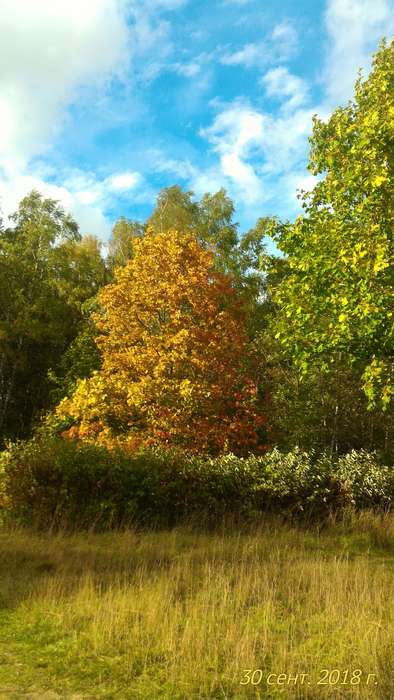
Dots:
pixel 104 102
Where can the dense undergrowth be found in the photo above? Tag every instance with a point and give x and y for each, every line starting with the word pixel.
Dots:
pixel 62 483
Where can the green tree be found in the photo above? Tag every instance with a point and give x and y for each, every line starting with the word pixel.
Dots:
pixel 216 228
pixel 210 220
pixel 82 274
pixel 124 233
pixel 322 410
pixel 335 294
pixel 80 359
pixel 47 271
pixel 175 209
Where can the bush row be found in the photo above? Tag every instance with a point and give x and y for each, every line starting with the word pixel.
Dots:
pixel 64 483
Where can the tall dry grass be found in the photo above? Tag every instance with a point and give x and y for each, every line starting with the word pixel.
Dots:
pixel 182 614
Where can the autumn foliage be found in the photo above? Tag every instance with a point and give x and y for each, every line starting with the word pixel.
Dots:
pixel 174 348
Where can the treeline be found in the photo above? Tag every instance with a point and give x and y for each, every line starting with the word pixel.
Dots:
pixel 188 334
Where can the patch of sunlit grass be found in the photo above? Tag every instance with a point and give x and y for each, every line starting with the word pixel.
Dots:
pixel 182 614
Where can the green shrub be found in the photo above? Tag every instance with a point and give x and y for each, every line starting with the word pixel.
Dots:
pixel 58 482
pixel 301 482
pixel 61 481
pixel 367 482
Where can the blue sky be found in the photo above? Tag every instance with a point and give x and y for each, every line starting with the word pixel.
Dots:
pixel 104 102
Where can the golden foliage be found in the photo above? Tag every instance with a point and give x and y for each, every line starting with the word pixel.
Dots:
pixel 174 349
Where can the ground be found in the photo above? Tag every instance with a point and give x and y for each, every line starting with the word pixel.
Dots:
pixel 274 611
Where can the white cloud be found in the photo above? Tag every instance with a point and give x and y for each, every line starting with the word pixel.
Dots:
pixel 152 46
pixel 262 155
pixel 291 90
pixel 81 193
pixel 187 69
pixel 250 55
pixel 234 128
pixel 49 49
pixel 256 148
pixel 210 180
pixel 243 176
pixel 181 168
pixel 87 189
pixel 60 53
pixel 286 140
pixel 278 46
pixel 124 181
pixel 237 2
pixel 200 181
pixel 354 29
pixel 233 133
pixel 90 217
pixel 154 5
pixel 87 196
pixel 284 35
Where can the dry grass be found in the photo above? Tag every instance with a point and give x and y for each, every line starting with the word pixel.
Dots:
pixel 181 614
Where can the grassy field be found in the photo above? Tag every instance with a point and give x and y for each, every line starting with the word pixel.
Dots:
pixel 185 614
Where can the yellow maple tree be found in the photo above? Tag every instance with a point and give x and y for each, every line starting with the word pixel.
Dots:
pixel 174 349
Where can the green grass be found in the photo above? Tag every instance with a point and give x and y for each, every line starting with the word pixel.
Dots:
pixel 181 614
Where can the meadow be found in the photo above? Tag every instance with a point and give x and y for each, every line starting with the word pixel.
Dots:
pixel 269 610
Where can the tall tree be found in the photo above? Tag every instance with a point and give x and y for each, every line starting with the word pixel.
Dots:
pixel 121 243
pixel 46 272
pixel 175 209
pixel 335 294
pixel 82 274
pixel 174 355
pixel 210 220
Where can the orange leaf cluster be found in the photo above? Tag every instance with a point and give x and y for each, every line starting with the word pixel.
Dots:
pixel 174 349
